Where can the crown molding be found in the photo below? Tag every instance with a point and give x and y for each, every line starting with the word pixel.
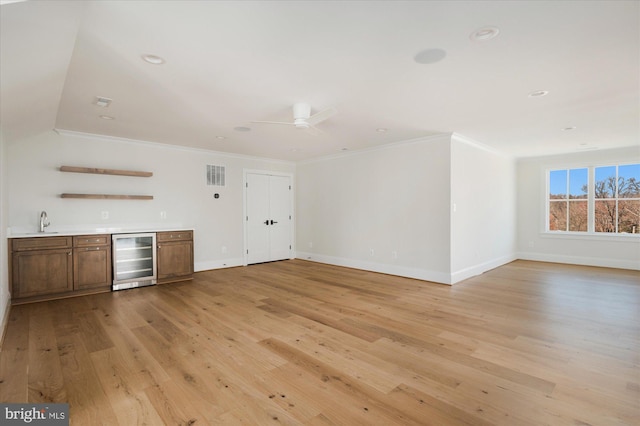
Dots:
pixel 167 146
pixel 479 145
pixel 376 148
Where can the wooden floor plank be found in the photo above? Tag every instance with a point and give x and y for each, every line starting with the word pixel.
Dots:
pixel 46 383
pixel 14 358
pixel 87 399
pixel 298 342
pixel 129 405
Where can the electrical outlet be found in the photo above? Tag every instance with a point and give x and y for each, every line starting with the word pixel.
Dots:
pixel 104 215
pixel 394 254
pixel 224 249
pixel 372 252
pixel 163 215
pixel 310 244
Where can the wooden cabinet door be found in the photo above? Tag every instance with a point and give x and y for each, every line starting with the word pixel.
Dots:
pixel 175 259
pixel 42 272
pixel 91 267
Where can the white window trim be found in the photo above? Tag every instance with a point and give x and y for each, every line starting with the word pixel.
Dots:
pixel 596 236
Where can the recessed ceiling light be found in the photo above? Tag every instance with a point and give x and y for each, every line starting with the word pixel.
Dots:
pixel 484 33
pixel 107 117
pixel 381 130
pixel 430 56
pixel 220 137
pixel 569 128
pixel 538 93
pixel 344 149
pixel 242 129
pixel 153 59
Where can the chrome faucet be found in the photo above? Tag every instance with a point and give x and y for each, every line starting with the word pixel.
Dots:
pixel 44 221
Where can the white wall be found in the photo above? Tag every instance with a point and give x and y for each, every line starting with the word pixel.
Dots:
pixel 178 185
pixel 535 244
pixel 394 200
pixel 4 265
pixel 398 200
pixel 483 213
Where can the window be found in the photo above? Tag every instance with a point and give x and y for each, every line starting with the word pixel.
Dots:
pixel 595 199
pixel 617 199
pixel 568 193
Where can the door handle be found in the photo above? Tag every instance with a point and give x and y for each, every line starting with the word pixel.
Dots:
pixel 273 221
pixel 266 222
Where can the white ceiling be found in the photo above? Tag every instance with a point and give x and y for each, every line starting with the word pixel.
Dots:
pixel 230 63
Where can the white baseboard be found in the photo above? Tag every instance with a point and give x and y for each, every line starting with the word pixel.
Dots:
pixel 5 321
pixel 217 264
pixel 481 268
pixel 433 276
pixel 579 260
pixel 402 271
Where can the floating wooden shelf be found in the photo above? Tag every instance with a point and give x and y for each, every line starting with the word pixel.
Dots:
pixel 108 196
pixel 97 171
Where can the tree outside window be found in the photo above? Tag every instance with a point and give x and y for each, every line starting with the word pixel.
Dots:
pixel 617 199
pixel 568 200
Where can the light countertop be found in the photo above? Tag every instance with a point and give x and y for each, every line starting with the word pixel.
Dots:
pixel 70 231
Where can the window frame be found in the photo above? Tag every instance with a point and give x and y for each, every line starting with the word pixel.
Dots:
pixel 591 202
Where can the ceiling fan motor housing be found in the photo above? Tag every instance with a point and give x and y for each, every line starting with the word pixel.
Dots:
pixel 301 111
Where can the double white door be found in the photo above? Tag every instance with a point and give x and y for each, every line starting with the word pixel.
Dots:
pixel 268 206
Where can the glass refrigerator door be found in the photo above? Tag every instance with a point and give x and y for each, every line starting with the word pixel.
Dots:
pixel 134 258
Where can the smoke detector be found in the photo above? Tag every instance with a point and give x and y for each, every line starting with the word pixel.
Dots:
pixel 102 101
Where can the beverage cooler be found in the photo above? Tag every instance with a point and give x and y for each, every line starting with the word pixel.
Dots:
pixel 134 260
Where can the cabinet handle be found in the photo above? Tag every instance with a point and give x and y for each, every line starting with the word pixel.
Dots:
pixel 69 253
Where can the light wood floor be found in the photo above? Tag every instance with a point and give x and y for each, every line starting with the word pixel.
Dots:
pixel 297 342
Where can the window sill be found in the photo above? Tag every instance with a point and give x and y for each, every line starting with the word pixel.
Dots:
pixel 591 236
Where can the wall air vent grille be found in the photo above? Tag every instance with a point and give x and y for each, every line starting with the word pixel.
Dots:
pixel 215 175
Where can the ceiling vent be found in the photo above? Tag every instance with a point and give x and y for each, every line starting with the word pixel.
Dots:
pixel 102 102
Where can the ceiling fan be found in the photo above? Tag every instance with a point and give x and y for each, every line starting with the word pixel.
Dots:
pixel 302 118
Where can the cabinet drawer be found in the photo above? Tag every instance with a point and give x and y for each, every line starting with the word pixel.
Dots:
pixel 91 240
pixel 39 243
pixel 174 236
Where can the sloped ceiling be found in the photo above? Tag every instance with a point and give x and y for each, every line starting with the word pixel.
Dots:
pixel 36 44
pixel 230 63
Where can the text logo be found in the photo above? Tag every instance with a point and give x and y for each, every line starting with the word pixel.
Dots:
pixel 35 414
